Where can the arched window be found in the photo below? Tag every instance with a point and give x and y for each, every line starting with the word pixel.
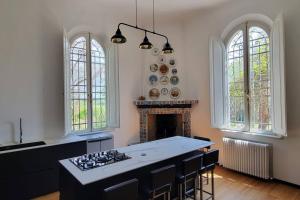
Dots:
pixel 248 79
pixel 88 93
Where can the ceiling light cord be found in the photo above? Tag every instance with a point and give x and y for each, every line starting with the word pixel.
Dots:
pixel 153 22
pixel 136 10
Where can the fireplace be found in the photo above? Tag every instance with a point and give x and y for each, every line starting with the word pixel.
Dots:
pixel 164 125
pixel 162 119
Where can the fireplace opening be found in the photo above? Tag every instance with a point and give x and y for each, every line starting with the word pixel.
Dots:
pixel 164 126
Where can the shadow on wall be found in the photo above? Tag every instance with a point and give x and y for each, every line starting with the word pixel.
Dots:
pixel 51 62
pixel 7 132
pixel 120 141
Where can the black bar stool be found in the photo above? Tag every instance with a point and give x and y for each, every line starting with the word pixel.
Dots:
pixel 161 181
pixel 187 176
pixel 205 149
pixel 210 159
pixel 127 190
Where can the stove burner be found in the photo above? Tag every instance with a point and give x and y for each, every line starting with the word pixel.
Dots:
pixel 93 160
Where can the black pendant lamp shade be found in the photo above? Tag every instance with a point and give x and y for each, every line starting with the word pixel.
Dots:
pixel 146 44
pixel 167 48
pixel 118 37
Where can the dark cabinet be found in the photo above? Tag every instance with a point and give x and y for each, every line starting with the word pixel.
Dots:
pixel 30 173
pixel 40 183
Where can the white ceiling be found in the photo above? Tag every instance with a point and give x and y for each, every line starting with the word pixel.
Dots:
pixel 173 6
pixel 164 7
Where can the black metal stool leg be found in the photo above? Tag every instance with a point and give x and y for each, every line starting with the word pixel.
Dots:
pixel 212 185
pixel 207 178
pixel 184 190
pixel 201 187
pixel 195 189
pixel 180 191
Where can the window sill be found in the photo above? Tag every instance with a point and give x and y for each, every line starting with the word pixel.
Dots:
pixel 90 133
pixel 268 135
pixel 95 132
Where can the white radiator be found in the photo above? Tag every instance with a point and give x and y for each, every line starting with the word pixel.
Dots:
pixel 247 157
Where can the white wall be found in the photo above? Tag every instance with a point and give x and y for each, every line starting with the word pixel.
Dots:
pixel 31 65
pixel 198 28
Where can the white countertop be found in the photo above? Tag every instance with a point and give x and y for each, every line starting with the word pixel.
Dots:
pixel 63 140
pixel 155 151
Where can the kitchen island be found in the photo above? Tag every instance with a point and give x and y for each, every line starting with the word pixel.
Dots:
pixel 78 184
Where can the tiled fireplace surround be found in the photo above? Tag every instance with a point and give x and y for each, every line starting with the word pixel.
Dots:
pixel 147 108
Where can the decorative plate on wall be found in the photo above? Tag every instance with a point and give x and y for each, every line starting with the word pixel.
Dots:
pixel 162 59
pixel 164 91
pixel 164 80
pixel 175 93
pixel 174 71
pixel 153 80
pixel 155 51
pixel 164 69
pixel 172 62
pixel 154 94
pixel 153 67
pixel 174 80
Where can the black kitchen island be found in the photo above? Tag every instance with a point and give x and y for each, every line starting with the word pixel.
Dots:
pixel 89 184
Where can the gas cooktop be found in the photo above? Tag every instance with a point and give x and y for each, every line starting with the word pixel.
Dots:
pixel 94 160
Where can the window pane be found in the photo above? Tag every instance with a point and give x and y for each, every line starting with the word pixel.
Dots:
pixel 235 80
pixel 98 86
pixel 78 85
pixel 259 80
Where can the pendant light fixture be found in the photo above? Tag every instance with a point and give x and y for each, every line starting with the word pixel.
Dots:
pixel 146 44
pixel 167 48
pixel 118 38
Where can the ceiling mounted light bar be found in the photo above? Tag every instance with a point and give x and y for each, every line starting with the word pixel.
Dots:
pixel 118 38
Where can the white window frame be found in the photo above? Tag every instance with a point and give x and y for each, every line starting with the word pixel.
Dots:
pixel 112 84
pixel 244 27
pixel 89 37
pixel 217 73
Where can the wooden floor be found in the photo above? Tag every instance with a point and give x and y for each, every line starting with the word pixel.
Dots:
pixel 234 186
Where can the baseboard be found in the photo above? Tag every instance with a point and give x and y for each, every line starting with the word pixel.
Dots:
pixel 249 175
pixel 286 183
pixel 271 180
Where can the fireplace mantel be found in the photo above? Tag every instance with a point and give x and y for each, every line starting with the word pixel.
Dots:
pixel 166 104
pixel 147 108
